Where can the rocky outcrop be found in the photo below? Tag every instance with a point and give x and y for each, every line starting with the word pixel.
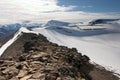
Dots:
pixel 43 66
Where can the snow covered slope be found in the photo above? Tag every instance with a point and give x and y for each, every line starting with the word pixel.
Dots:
pixel 16 36
pixel 101 45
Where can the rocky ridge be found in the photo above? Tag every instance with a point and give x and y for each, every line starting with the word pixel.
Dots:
pixel 33 57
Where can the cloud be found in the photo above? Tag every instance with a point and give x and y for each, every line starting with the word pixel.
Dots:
pixel 43 10
pixel 33 6
pixel 86 6
pixel 76 16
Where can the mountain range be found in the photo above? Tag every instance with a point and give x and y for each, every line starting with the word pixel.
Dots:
pixel 8 29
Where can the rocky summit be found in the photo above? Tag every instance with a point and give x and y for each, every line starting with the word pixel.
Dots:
pixel 33 57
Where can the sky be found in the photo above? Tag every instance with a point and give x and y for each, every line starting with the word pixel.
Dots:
pixel 12 11
pixel 93 5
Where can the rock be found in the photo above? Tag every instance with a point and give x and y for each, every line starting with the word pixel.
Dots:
pixel 22 58
pixel 43 60
pixel 38 75
pixel 58 78
pixel 74 49
pixel 25 65
pixel 12 68
pixel 51 76
pixel 2 68
pixel 14 78
pixel 1 62
pixel 19 66
pixel 68 78
pixel 42 77
pixel 11 74
pixel 85 58
pixel 41 54
pixel 8 63
pixel 67 71
pixel 26 77
pixel 2 78
pixel 22 73
pixel 5 71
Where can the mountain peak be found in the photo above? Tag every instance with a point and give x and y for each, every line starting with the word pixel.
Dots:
pixel 57 23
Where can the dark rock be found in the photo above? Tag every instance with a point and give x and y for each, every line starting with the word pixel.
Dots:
pixel 22 58
pixel 2 68
pixel 67 71
pixel 85 58
pixel 19 66
pixel 51 76
pixel 1 62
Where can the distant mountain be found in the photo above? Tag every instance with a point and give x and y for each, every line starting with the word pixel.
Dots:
pixel 8 29
pixel 57 23
pixel 102 21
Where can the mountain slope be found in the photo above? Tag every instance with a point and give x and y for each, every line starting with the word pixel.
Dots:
pixel 101 45
pixel 32 56
pixel 15 37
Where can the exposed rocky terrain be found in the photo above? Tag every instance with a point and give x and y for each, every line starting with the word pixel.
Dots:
pixel 33 57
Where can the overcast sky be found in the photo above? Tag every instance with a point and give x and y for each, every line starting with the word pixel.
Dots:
pixel 67 10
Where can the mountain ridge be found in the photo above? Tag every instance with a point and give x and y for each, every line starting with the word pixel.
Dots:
pixel 32 56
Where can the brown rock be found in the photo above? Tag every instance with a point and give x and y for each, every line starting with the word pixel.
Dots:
pixel 8 63
pixel 42 77
pixel 38 75
pixel 51 76
pixel 14 78
pixel 22 73
pixel 41 54
pixel 2 78
pixel 59 78
pixel 6 71
pixel 26 77
pixel 68 78
pixel 10 72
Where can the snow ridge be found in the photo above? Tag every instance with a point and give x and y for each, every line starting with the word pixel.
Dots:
pixel 16 36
